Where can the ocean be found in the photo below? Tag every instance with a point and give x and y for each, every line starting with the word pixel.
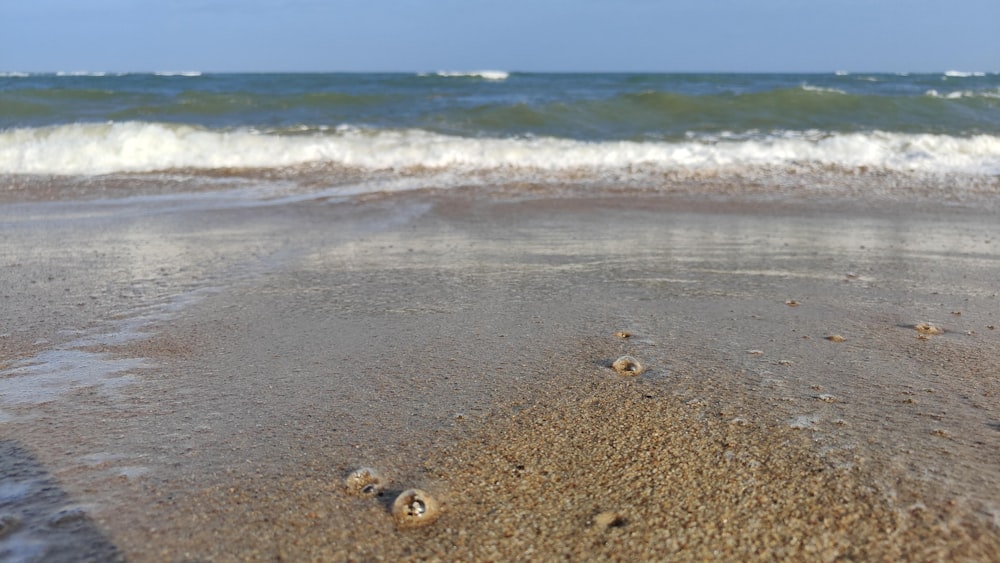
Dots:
pixel 408 131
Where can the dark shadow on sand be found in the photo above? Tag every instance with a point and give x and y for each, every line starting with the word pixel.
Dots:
pixel 38 519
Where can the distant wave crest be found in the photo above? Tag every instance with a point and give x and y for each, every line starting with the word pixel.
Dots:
pixel 78 73
pixel 484 74
pixel 963 74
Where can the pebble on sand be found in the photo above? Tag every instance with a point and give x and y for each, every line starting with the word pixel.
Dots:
pixel 8 524
pixel 627 365
pixel 414 508
pixel 365 481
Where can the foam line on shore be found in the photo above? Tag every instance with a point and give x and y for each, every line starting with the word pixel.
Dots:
pixel 102 148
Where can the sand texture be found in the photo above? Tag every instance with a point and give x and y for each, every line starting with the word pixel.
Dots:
pixel 196 380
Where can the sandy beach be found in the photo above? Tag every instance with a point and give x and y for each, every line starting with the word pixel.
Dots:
pixel 191 378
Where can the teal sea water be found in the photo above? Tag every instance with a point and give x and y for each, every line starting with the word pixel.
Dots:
pixel 528 125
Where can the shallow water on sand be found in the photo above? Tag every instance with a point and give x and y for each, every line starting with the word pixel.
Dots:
pixel 330 336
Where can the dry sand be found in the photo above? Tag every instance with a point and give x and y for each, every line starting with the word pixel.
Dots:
pixel 194 381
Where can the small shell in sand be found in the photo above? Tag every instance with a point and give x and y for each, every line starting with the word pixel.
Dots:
pixel 365 481
pixel 627 365
pixel 835 338
pixel 414 508
pixel 609 519
pixel 623 334
pixel 928 328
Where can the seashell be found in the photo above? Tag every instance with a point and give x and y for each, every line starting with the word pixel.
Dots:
pixel 627 365
pixel 623 334
pixel 928 328
pixel 609 519
pixel 835 338
pixel 365 481
pixel 414 508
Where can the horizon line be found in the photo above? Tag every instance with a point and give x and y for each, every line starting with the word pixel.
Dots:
pixel 192 72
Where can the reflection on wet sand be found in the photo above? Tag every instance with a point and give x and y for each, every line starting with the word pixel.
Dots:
pixel 463 347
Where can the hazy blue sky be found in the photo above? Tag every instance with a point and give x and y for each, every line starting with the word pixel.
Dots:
pixel 531 35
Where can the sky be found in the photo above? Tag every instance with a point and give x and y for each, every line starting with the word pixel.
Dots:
pixel 511 35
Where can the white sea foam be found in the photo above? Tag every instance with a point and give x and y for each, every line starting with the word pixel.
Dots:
pixel 484 74
pixel 14 75
pixel 811 88
pixel 142 147
pixel 963 74
pixel 959 94
pixel 190 73
pixel 80 73
pixel 54 372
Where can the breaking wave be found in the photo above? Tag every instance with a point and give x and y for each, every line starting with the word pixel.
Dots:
pixel 91 149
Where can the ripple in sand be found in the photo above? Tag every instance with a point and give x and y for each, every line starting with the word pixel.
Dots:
pixel 414 508
pixel 627 365
pixel 365 481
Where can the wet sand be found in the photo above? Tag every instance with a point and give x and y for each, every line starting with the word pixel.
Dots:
pixel 196 378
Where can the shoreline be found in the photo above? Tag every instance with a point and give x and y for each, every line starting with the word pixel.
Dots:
pixel 461 344
pixel 772 188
